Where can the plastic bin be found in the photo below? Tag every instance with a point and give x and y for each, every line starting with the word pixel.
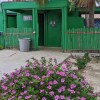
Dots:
pixel 24 44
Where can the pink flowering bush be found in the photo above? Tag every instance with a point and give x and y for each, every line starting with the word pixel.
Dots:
pixel 45 80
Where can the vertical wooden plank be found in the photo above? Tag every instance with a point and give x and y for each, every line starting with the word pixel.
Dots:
pixel 68 39
pixel 94 46
pixel 4 25
pixel 86 41
pixel 35 28
pixel 64 28
pixel 72 39
pixel 4 20
pixel 98 39
pixel 84 31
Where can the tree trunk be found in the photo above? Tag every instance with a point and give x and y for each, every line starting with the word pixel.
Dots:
pixel 87 19
pixel 91 13
pixel 91 18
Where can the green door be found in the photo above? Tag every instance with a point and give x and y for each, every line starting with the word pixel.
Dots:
pixel 11 21
pixel 53 34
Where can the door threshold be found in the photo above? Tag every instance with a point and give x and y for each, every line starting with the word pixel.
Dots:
pixel 50 48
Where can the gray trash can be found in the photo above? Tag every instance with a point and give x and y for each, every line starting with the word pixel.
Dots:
pixel 24 44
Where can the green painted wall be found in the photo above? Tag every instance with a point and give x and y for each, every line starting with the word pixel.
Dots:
pixel 30 5
pixel 73 13
pixel 75 22
pixel 1 22
pixel 21 23
pixel 15 20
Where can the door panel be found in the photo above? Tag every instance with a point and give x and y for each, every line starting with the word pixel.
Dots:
pixel 53 35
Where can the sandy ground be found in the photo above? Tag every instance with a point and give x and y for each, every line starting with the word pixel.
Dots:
pixel 93 76
pixel 12 59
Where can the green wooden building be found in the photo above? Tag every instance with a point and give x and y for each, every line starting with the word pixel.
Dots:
pixel 49 25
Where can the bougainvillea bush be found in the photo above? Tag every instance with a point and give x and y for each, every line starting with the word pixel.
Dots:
pixel 45 80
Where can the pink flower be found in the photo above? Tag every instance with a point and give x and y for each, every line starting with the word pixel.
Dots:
pixel 36 77
pixel 27 97
pixel 61 73
pixel 27 65
pixel 19 97
pixel 15 81
pixel 55 67
pixel 74 68
pixel 9 99
pixel 72 86
pixel 27 74
pixel 68 98
pixel 58 72
pixel 4 87
pixel 83 98
pixel 22 93
pixel 23 86
pixel 49 87
pixel 11 84
pixel 3 94
pixel 51 93
pixel 41 65
pixel 63 88
pixel 56 97
pixel 19 75
pixel 43 98
pixel 13 97
pixel 55 82
pixel 25 91
pixel 50 82
pixel 49 73
pixel 13 91
pixel 17 72
pixel 12 75
pixel 26 71
pixel 41 83
pixel 41 91
pixel 60 90
pixel 78 98
pixel 35 64
pixel 73 76
pixel 5 75
pixel 71 91
pixel 62 80
pixel 62 97
pixel 31 82
pixel 64 68
pixel 43 76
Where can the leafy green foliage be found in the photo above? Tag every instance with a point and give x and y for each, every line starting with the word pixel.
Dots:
pixel 41 2
pixel 1 47
pixel 82 61
pixel 45 80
